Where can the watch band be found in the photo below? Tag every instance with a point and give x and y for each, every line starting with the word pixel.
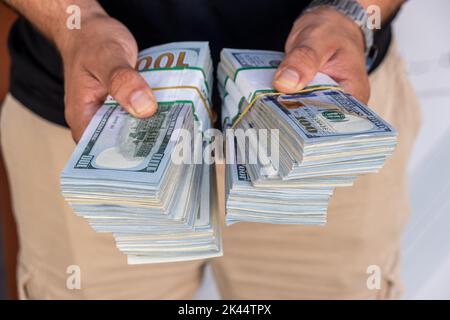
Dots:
pixel 353 10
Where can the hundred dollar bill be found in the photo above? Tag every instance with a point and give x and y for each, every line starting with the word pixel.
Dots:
pixel 325 132
pixel 326 138
pixel 321 132
pixel 280 204
pixel 121 176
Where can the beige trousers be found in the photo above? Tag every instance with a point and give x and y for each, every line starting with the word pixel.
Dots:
pixel 260 260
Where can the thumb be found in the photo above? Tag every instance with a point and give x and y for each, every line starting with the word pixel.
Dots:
pixel 297 69
pixel 126 85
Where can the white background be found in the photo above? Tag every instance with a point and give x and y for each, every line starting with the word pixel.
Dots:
pixel 423 34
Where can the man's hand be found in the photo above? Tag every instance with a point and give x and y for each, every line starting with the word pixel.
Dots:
pixel 99 59
pixel 324 40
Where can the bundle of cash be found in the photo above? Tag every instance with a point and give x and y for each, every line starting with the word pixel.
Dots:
pixel 325 139
pixel 297 201
pixel 122 177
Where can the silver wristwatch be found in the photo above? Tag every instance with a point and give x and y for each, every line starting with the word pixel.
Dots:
pixel 353 10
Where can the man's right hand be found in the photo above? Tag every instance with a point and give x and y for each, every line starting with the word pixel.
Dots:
pixel 99 59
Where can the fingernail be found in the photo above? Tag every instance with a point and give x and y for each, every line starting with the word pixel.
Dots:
pixel 289 77
pixel 141 102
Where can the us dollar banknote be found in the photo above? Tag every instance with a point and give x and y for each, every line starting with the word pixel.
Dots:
pixel 326 138
pixel 121 176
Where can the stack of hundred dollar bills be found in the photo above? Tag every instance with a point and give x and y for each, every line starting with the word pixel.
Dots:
pixel 324 139
pixel 122 178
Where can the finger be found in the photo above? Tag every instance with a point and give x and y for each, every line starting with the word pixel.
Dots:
pixel 79 121
pixel 84 95
pixel 358 87
pixel 298 68
pixel 349 70
pixel 132 92
pixel 125 84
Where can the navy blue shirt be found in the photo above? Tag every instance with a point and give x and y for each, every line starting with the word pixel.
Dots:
pixel 36 71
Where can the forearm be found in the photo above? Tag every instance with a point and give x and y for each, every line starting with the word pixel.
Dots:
pixel 387 7
pixel 50 17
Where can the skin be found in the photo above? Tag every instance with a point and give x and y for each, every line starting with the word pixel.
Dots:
pixel 99 59
pixel 324 40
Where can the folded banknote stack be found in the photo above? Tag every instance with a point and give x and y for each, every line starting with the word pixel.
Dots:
pixel 122 178
pixel 325 138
